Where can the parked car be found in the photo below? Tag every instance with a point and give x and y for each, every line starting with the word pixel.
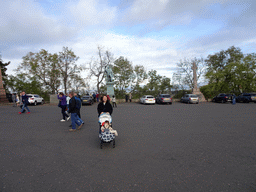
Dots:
pixel 147 99
pixel 9 97
pixel 222 97
pixel 87 100
pixel 246 97
pixel 164 98
pixel 34 99
pixel 189 98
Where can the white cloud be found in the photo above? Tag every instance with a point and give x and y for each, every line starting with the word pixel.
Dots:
pixel 93 12
pixel 24 23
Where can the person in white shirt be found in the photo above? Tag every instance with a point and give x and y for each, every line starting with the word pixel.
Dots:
pixel 67 99
pixel 114 101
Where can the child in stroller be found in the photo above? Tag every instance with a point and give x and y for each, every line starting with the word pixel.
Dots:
pixel 107 134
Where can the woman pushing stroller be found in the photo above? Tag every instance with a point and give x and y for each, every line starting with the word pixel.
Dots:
pixel 104 107
pixel 106 132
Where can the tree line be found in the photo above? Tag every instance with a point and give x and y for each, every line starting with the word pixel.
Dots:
pixel 229 71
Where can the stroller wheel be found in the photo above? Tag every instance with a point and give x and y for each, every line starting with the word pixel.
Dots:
pixel 114 143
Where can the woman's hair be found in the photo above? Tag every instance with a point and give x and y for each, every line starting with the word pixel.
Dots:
pixel 101 99
pixel 61 93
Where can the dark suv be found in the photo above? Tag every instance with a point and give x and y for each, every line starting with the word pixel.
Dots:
pixel 246 97
pixel 222 97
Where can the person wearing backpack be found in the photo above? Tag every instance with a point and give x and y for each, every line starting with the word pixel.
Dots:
pixel 73 109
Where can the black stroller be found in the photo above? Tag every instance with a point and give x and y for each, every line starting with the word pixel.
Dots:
pixel 106 136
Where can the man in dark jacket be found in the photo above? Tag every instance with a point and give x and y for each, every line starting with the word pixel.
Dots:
pixel 25 103
pixel 74 110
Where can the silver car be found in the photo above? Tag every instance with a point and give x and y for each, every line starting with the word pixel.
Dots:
pixel 189 98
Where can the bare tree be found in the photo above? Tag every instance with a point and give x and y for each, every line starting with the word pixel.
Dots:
pixel 97 66
pixel 67 66
pixel 186 72
pixel 76 82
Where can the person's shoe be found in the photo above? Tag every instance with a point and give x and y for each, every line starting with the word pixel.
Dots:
pixel 62 120
pixel 28 112
pixel 19 112
pixel 70 125
pixel 80 126
pixel 68 118
pixel 72 130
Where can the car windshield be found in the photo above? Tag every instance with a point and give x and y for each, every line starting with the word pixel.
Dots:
pixel 165 96
pixel 193 95
pixel 29 95
pixel 150 97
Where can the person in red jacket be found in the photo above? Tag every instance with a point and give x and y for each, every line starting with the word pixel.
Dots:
pixel 97 97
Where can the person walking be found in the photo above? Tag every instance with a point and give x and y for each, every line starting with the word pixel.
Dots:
pixel 14 100
pixel 78 104
pixel 67 99
pixel 108 98
pixel 94 97
pixel 104 107
pixel 130 97
pixel 21 104
pixel 63 106
pixel 17 100
pixel 97 97
pixel 233 99
pixel 126 98
pixel 114 101
pixel 74 110
pixel 25 103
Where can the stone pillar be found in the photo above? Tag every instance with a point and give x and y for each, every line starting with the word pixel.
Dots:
pixel 195 90
pixel 2 90
pixel 110 89
pixel 54 99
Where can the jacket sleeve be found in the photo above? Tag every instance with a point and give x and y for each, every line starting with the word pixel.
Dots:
pixel 110 109
pixel 99 108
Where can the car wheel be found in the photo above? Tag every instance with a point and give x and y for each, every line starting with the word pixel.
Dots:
pixel 35 103
pixel 42 102
pixel 170 103
pixel 197 102
pixel 222 101
pixel 188 102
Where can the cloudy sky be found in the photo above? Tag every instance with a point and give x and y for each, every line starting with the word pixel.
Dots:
pixel 153 33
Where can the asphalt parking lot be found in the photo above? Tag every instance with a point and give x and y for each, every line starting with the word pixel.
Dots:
pixel 179 147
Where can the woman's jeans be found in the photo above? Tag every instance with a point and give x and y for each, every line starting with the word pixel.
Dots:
pixel 63 109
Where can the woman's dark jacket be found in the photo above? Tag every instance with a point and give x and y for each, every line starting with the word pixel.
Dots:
pixel 105 108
